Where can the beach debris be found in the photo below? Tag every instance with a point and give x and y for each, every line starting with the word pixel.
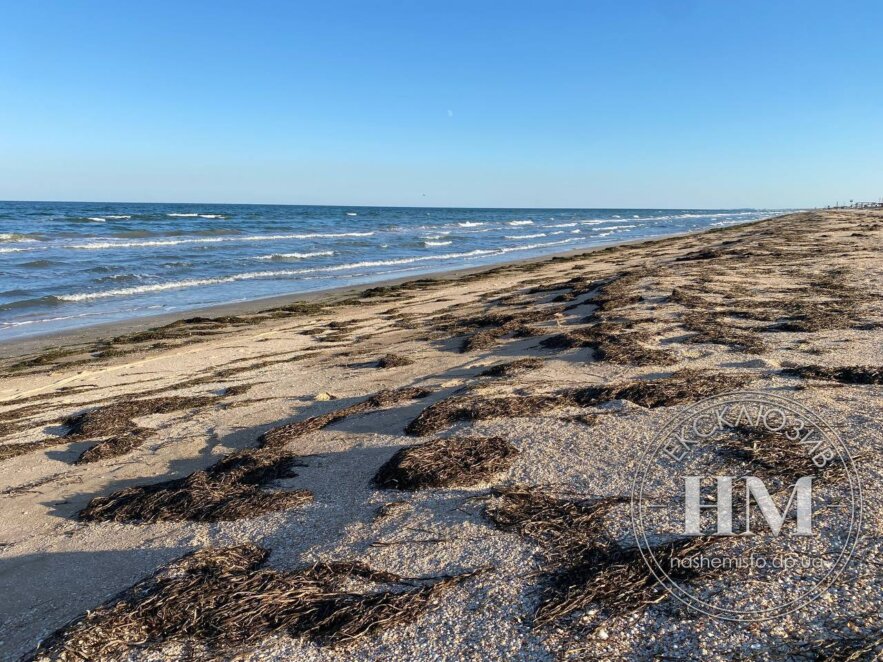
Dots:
pixel 115 446
pixel 849 643
pixel 708 327
pixel 233 488
pixel 772 453
pixel 450 462
pixel 392 508
pixel 227 598
pixel 856 374
pixel 585 566
pixel 237 389
pixel 324 396
pixel 613 342
pixel 115 423
pixel 616 578
pixel 279 436
pixel 117 417
pixel 512 368
pixel 688 385
pixel 682 386
pixel 393 361
pixel 565 527
pixel 454 409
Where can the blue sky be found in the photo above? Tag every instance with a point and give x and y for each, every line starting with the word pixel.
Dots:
pixel 674 103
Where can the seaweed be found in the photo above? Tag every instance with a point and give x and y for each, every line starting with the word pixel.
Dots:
pixel 226 598
pixel 453 462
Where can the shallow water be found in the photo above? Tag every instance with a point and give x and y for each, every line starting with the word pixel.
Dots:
pixel 68 265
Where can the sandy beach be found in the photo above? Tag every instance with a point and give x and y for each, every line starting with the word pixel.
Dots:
pixel 418 470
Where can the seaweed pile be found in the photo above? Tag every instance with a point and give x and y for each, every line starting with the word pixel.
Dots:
pixel 236 486
pixel 453 462
pixel 682 386
pixel 230 489
pixel 114 423
pixel 585 565
pixel 280 436
pixel 227 598
pixel 858 374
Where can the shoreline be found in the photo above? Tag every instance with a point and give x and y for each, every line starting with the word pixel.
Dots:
pixel 12 347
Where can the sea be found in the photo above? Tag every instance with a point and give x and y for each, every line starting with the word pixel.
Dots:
pixel 66 265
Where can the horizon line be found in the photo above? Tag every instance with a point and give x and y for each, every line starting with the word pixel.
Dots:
pixel 399 206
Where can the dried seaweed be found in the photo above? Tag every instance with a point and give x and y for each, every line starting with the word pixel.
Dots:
pixel 226 598
pixel 708 327
pixel 477 408
pixel 857 374
pixel 231 489
pixel 614 343
pixel 616 578
pixel 115 421
pixel 453 462
pixel 512 368
pixel 280 436
pixel 393 361
pixel 682 386
pixel 564 527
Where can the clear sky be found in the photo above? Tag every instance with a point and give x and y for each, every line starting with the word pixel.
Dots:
pixel 620 103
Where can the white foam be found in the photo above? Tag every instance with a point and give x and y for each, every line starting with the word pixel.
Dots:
pixel 215 240
pixel 520 222
pixel 212 216
pixel 254 275
pixel 183 215
pixel 429 244
pixel 525 236
pixel 469 224
pixel 13 250
pixel 118 216
pixel 295 256
pixel 97 219
pixel 563 225
pixel 351 213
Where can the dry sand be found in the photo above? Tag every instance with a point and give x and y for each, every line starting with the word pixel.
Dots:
pixel 743 302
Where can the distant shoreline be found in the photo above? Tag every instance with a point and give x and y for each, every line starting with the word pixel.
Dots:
pixel 92 332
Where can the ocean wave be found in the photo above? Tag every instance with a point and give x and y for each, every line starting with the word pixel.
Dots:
pixel 520 223
pixel 295 256
pixel 429 244
pixel 617 227
pixel 14 236
pixel 117 216
pixel 255 275
pixel 469 224
pixel 14 250
pixel 177 215
pixel 351 213
pixel 215 240
pixel 525 236
pixel 563 225
pixel 96 219
pixel 31 303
